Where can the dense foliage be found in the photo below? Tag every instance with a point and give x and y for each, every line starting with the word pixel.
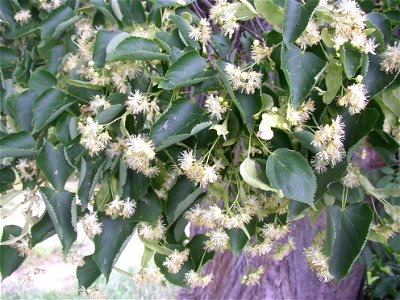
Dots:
pixel 235 117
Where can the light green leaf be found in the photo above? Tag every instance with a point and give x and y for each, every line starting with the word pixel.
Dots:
pixel 184 29
pixel 271 12
pixel 351 59
pixel 248 171
pixel 333 81
pixel 41 80
pixel 103 37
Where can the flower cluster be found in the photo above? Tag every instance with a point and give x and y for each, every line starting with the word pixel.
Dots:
pixel 202 174
pixel 194 279
pixel 120 208
pixel 329 138
pixel 93 136
pixel 355 98
pixel 217 240
pixel 139 103
pixel 247 82
pixel 50 5
pixel 175 260
pixel 98 102
pixel 349 25
pixel 23 16
pixel 150 231
pixel 91 225
pixel 300 115
pixel 202 33
pixel 391 59
pixel 216 106
pixel 352 177
pixel 138 154
pixel 22 246
pixel 147 275
pixel 259 51
pixel 310 36
pixel 253 278
pixel 223 14
pixel 316 260
pixel 26 168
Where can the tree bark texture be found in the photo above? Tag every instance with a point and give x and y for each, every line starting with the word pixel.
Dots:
pixel 287 279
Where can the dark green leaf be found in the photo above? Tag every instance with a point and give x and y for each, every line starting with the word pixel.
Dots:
pixel 237 240
pixel 351 59
pixel 135 185
pixel 48 26
pixel 136 48
pixel 358 126
pixel 88 273
pixel 382 24
pixel 332 175
pixel 305 138
pixel 198 255
pixel 180 197
pixel 182 120
pixel 296 18
pixel 178 278
pixel 8 58
pixel 351 228
pixel 290 172
pixel 148 208
pixel 333 81
pixel 52 163
pixel 295 210
pixel 302 71
pixel 47 107
pixel 7 178
pixel 60 206
pixel 109 114
pixel 184 30
pixel 10 259
pixel 42 230
pixel 251 104
pixel 21 109
pixel 110 243
pixel 103 37
pixel 377 80
pixel 17 144
pixel 186 70
pixel 42 80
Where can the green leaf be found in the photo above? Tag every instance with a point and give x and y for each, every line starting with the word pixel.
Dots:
pixel 56 17
pixel 351 59
pixel 390 98
pixel 132 11
pixel 7 178
pixel 305 138
pixel 296 210
pixel 148 208
pixel 182 120
pixel 17 144
pixel 198 255
pixel 251 105
pixel 248 171
pixel 42 80
pixel 21 109
pixel 136 48
pixel 10 259
pixel 271 12
pixel 63 26
pixel 377 80
pixel 47 107
pixel 383 26
pixel 358 126
pixel 351 228
pixel 110 243
pixel 136 185
pixel 88 273
pixel 8 58
pixel 103 37
pixel 84 84
pixel 60 206
pixel 296 18
pixel 331 175
pixel 237 240
pixel 302 71
pixel 290 172
pixel 89 175
pixel 109 114
pixel 186 70
pixel 42 230
pixel 180 197
pixel 381 139
pixel 52 163
pixel 333 81
pixel 184 31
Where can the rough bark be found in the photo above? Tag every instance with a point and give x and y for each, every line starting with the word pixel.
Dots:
pixel 288 279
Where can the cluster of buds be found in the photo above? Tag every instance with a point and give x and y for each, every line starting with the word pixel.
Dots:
pixel 253 277
pixel 259 51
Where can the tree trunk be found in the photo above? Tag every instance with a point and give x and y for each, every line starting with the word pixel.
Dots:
pixel 287 279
